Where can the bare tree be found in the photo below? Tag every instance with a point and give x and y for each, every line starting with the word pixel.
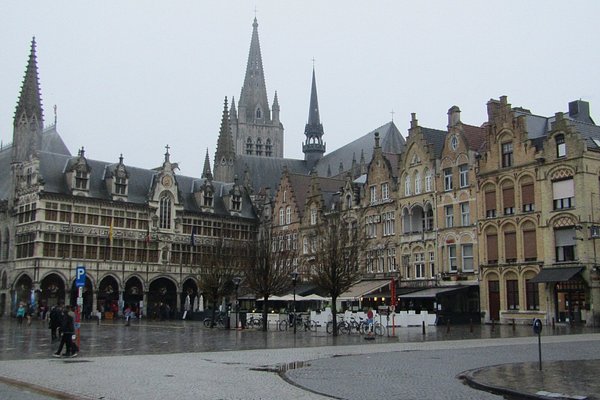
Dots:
pixel 222 263
pixel 335 266
pixel 268 271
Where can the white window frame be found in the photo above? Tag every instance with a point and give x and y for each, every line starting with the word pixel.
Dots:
pixel 452 261
pixel 467 258
pixel 463 171
pixel 447 179
pixel 385 192
pixel 449 215
pixel 465 214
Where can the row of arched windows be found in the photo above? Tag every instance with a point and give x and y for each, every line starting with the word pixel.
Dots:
pixel 414 184
pixel 257 148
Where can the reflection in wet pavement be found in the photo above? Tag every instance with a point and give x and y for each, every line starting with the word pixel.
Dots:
pixel 154 337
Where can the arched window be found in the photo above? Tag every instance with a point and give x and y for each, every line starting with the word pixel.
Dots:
pixel 417 183
pixel 258 113
pixel 407 185
pixel 269 148
pixel 249 146
pixel 165 212
pixel 428 181
pixel 561 146
pixel 288 215
pixel 258 147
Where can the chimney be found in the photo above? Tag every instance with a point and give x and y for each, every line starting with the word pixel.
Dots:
pixel 453 116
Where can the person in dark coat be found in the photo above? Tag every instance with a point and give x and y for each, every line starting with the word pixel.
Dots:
pixel 67 328
pixel 55 321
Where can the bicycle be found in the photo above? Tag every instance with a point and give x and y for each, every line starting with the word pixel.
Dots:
pixel 343 327
pixel 218 321
pixel 305 323
pixel 360 326
pixel 254 322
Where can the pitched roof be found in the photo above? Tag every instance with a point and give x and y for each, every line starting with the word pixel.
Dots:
pixel 475 136
pixel 436 138
pixel 391 142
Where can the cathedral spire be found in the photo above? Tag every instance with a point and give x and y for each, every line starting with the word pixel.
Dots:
pixel 206 173
pixel 29 118
pixel 30 100
pixel 313 147
pixel 253 104
pixel 225 154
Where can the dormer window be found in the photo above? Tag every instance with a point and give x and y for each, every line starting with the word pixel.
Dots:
pixel 561 146
pixel 258 113
pixel 208 198
pixel 120 185
pixel 165 212
pixel 236 202
pixel 81 180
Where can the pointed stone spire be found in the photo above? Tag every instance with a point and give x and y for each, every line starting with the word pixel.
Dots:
pixel 275 108
pixel 232 110
pixel 28 120
pixel 225 154
pixel 254 105
pixel 206 172
pixel 30 99
pixel 313 147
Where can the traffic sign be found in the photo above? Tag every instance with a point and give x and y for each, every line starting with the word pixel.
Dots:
pixel 80 276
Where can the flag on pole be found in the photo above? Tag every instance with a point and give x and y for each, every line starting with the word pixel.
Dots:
pixel 192 239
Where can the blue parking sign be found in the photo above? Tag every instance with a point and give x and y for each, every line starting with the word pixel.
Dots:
pixel 80 277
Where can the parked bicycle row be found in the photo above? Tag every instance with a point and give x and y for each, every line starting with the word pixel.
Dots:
pixel 351 325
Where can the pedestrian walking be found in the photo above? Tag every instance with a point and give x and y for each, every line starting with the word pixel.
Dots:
pixel 55 321
pixel 20 313
pixel 127 313
pixel 67 328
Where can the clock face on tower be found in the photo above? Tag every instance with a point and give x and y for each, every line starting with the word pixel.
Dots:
pixel 167 181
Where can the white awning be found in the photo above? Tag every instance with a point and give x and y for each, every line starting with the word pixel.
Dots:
pixel 363 288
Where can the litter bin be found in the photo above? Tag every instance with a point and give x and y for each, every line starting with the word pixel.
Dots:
pixel 226 323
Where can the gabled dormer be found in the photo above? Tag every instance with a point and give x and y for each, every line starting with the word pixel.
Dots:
pixel 164 197
pixel 29 179
pixel 77 175
pixel 117 180
pixel 233 199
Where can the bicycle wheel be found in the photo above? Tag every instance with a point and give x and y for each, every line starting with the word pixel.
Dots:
pixel 312 326
pixel 343 328
pixel 207 322
pixel 329 327
pixel 379 329
pixel 283 325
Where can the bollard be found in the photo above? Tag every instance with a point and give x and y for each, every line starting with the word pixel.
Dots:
pixel 448 326
pixel 423 328
pixel 513 324
pixel 553 323
pixel 471 325
pixel 493 325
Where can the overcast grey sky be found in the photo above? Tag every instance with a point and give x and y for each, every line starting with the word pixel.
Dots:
pixel 132 76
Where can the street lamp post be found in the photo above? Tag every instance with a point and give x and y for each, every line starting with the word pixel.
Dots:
pixel 294 276
pixel 236 281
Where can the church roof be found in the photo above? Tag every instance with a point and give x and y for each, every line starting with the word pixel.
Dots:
pixel 391 142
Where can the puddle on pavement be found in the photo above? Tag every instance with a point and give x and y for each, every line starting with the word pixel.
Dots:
pixel 282 368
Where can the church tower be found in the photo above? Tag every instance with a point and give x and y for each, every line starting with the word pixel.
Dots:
pixel 255 130
pixel 29 118
pixel 313 147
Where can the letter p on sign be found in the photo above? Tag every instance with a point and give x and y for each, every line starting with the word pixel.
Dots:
pixel 80 277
